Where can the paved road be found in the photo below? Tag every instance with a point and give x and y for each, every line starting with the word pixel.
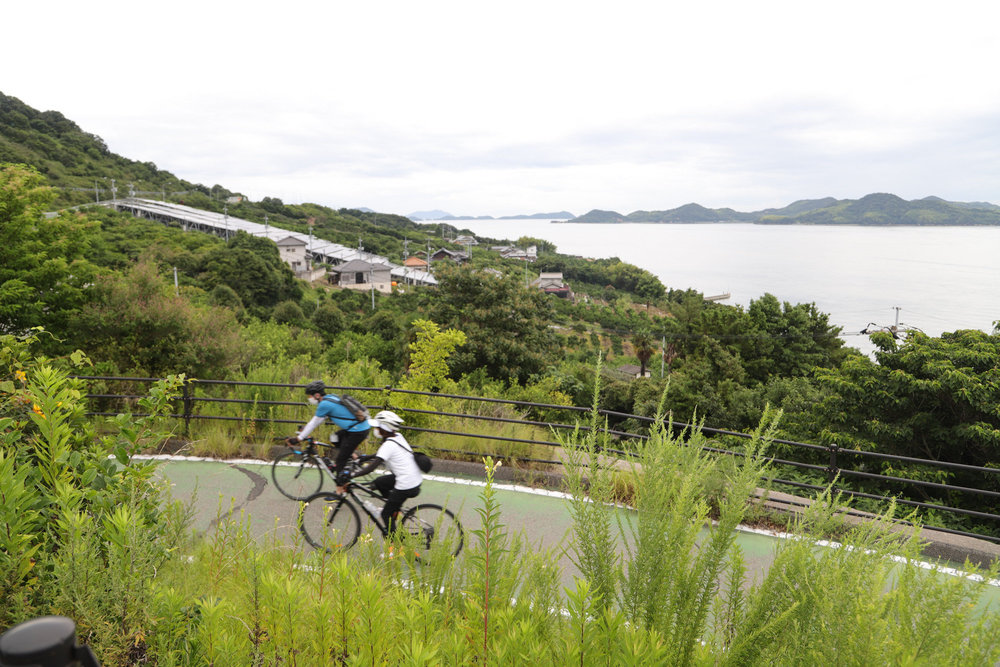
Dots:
pixel 224 489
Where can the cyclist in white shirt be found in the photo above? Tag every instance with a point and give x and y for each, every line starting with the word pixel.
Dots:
pixel 395 453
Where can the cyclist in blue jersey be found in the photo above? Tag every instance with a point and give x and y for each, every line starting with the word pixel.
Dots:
pixel 353 430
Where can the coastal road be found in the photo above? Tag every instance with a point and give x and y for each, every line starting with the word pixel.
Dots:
pixel 221 490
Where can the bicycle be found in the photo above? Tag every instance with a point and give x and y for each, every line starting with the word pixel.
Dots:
pixel 331 521
pixel 298 473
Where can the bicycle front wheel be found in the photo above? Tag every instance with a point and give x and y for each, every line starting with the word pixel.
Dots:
pixel 430 524
pixel 329 521
pixel 297 476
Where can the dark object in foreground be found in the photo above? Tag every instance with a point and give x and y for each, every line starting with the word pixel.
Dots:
pixel 49 641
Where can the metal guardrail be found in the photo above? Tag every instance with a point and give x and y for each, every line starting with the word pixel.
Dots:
pixel 835 458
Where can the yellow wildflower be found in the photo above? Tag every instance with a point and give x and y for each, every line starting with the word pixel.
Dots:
pixel 37 409
pixel 20 376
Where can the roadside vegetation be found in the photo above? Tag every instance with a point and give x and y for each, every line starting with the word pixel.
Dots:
pixel 96 538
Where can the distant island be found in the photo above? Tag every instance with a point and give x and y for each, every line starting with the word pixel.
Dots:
pixel 425 216
pixel 874 209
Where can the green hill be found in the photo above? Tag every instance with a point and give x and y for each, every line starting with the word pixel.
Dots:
pixel 82 169
pixel 888 209
pixel 874 209
pixel 75 162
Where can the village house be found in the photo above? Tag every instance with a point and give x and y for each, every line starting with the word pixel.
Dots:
pixel 414 262
pixel 633 372
pixel 529 254
pixel 362 275
pixel 293 253
pixel 552 283
pixel 453 255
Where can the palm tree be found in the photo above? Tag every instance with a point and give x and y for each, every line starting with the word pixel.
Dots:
pixel 644 345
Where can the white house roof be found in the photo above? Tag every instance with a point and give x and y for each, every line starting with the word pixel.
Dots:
pixel 221 224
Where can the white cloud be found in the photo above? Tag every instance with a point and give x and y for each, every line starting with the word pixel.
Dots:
pixel 525 106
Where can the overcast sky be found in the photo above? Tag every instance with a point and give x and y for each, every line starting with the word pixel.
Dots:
pixel 529 106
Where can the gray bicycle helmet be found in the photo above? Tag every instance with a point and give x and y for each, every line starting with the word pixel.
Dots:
pixel 316 387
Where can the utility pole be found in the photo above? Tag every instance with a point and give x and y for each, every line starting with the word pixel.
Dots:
pixel 114 191
pixel 177 290
pixel 663 353
pixel 406 248
pixel 267 232
pixel 371 279
pixel 97 193
pixel 225 213
pixel 309 263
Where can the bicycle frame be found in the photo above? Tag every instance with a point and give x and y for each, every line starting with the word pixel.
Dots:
pixel 364 504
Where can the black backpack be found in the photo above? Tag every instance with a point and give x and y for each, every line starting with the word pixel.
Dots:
pixel 423 461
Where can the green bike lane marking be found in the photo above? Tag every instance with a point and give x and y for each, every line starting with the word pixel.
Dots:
pixel 220 489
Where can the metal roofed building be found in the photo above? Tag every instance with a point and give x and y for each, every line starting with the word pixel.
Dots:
pixel 224 226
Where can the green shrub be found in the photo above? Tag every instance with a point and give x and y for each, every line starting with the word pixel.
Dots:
pixel 83 528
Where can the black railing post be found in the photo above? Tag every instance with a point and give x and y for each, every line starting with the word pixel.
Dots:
pixel 188 409
pixel 833 470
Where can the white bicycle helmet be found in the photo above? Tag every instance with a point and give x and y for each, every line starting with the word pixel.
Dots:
pixel 387 420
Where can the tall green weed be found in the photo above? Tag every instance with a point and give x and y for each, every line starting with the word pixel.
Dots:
pixel 83 527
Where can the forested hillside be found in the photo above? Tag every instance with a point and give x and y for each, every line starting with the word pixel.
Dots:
pixel 103 282
pixel 873 209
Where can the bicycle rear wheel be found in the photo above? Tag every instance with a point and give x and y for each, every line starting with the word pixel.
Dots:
pixel 329 521
pixel 297 476
pixel 430 524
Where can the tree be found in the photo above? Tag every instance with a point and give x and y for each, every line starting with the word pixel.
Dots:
pixel 252 267
pixel 541 245
pixel 507 326
pixel 928 397
pixel 329 319
pixel 429 355
pixel 43 276
pixel 788 341
pixel 644 345
pixel 138 322
pixel 289 312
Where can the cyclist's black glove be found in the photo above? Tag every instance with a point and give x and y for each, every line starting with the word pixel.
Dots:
pixel 292 440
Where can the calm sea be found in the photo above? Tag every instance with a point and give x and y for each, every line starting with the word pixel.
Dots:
pixel 939 278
